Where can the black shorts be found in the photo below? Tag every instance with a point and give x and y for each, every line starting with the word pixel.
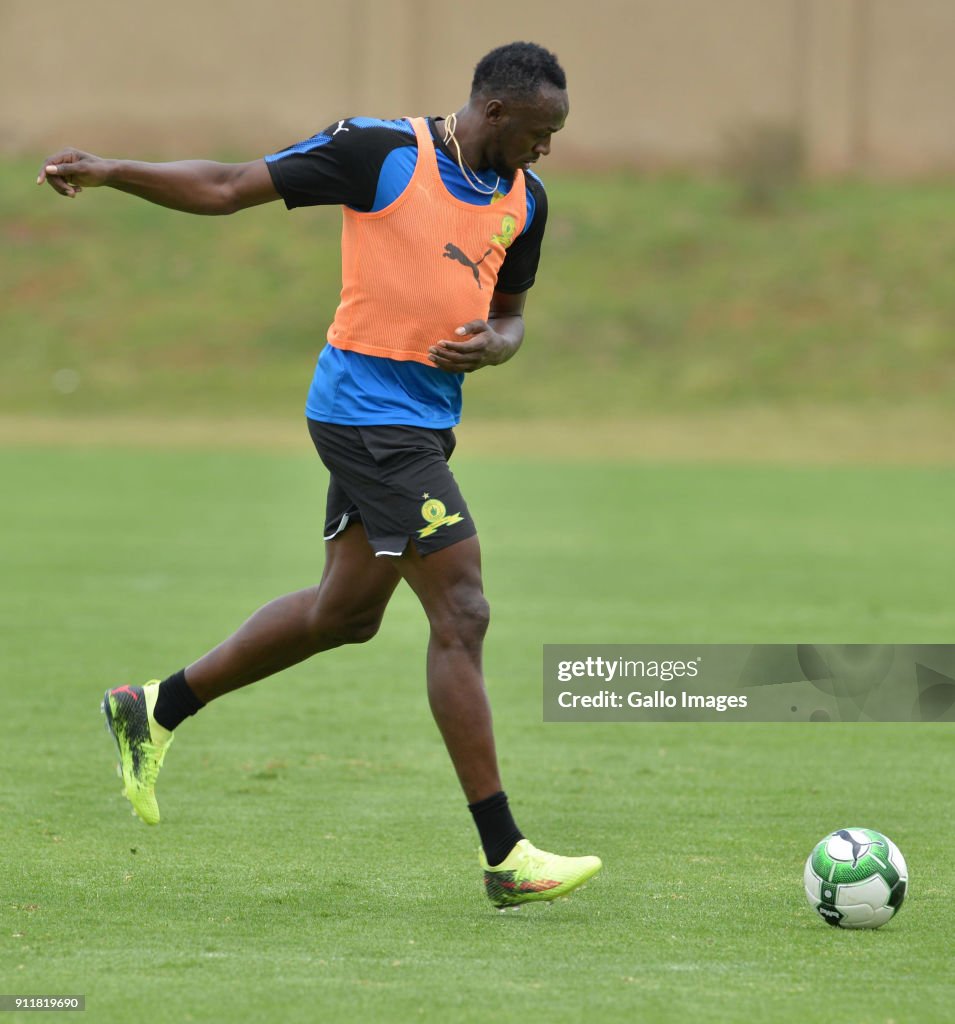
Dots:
pixel 395 480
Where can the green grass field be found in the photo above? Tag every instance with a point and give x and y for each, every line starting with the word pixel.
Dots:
pixel 316 862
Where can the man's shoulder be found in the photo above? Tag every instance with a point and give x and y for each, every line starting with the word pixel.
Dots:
pixel 535 185
pixel 400 125
pixel 536 200
pixel 359 132
pixel 385 131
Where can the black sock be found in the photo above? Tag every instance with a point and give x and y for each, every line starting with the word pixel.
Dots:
pixel 496 827
pixel 175 701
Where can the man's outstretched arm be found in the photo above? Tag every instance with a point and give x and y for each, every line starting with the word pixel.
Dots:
pixel 193 186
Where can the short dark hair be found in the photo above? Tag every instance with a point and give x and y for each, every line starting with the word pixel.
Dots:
pixel 518 70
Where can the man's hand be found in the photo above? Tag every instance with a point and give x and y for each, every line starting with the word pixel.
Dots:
pixel 484 347
pixel 70 170
pixel 484 342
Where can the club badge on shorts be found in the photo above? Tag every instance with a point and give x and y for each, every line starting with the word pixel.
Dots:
pixel 435 514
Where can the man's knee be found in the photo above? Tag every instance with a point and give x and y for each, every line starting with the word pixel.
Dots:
pixel 462 619
pixel 361 630
pixel 343 627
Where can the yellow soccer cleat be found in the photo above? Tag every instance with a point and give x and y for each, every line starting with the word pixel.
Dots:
pixel 142 744
pixel 529 875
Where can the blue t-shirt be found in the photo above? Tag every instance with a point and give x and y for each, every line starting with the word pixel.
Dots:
pixel 366 164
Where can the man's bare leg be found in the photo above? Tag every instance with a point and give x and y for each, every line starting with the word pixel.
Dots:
pixel 346 607
pixel 448 584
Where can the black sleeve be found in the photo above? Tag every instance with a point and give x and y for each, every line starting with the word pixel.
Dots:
pixel 338 166
pixel 519 269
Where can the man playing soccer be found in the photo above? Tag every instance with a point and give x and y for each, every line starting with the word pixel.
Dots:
pixel 442 231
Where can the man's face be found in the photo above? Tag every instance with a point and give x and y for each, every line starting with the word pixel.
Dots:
pixel 521 130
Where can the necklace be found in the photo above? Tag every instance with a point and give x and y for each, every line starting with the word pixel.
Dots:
pixel 470 175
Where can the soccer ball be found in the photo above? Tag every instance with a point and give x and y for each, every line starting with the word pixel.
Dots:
pixel 856 878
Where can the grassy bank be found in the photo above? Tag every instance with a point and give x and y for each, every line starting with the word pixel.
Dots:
pixel 654 295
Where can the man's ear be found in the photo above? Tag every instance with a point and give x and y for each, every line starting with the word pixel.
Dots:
pixel 494 112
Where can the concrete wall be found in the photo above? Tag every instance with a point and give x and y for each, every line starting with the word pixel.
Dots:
pixel 653 82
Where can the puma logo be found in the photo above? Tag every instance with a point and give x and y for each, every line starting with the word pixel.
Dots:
pixel 452 252
pixel 859 850
pixel 341 128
